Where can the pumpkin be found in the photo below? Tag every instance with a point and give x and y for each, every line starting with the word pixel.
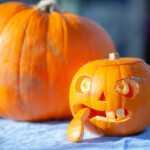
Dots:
pixel 40 51
pixel 110 97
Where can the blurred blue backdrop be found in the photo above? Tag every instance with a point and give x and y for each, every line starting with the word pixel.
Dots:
pixel 127 22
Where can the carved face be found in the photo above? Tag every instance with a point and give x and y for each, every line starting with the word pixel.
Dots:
pixel 117 93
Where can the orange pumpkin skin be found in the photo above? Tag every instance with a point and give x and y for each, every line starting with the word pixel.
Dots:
pixel 104 100
pixel 39 54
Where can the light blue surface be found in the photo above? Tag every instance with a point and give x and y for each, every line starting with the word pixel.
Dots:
pixel 51 135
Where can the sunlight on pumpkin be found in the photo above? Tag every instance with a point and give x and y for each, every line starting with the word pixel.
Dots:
pixel 122 87
pixel 81 86
pixel 127 87
pixel 85 85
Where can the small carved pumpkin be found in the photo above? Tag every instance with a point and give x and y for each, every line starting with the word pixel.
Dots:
pixel 110 97
pixel 40 51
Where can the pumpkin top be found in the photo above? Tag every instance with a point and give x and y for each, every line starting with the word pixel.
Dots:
pixel 115 62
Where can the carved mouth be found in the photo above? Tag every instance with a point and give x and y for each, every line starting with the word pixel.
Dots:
pixel 118 115
pixel 111 116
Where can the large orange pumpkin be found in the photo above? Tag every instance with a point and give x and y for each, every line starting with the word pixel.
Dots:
pixel 39 54
pixel 110 97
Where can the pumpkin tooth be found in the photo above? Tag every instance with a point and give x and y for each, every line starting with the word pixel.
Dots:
pixel 110 114
pixel 99 118
pixel 120 113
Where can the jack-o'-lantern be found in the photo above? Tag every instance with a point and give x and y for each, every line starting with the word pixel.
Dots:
pixel 110 97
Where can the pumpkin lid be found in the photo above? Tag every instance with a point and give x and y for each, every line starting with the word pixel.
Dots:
pixel 114 60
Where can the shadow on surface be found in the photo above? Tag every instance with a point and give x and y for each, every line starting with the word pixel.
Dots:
pixel 102 139
pixel 145 135
pixel 53 121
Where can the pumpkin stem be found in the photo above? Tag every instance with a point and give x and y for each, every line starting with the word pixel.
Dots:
pixel 113 56
pixel 47 6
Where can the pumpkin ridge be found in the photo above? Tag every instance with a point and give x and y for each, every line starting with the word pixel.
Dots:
pixel 121 76
pixel 3 46
pixel 119 66
pixel 23 9
pixel 22 103
pixel 65 23
pixel 132 68
pixel 41 49
pixel 61 52
pixel 90 95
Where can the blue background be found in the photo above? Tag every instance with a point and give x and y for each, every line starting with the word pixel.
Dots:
pixel 126 21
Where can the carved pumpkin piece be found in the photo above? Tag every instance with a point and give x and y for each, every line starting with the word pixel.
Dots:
pixel 116 92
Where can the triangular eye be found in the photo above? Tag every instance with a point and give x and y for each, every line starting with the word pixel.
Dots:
pixel 102 97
